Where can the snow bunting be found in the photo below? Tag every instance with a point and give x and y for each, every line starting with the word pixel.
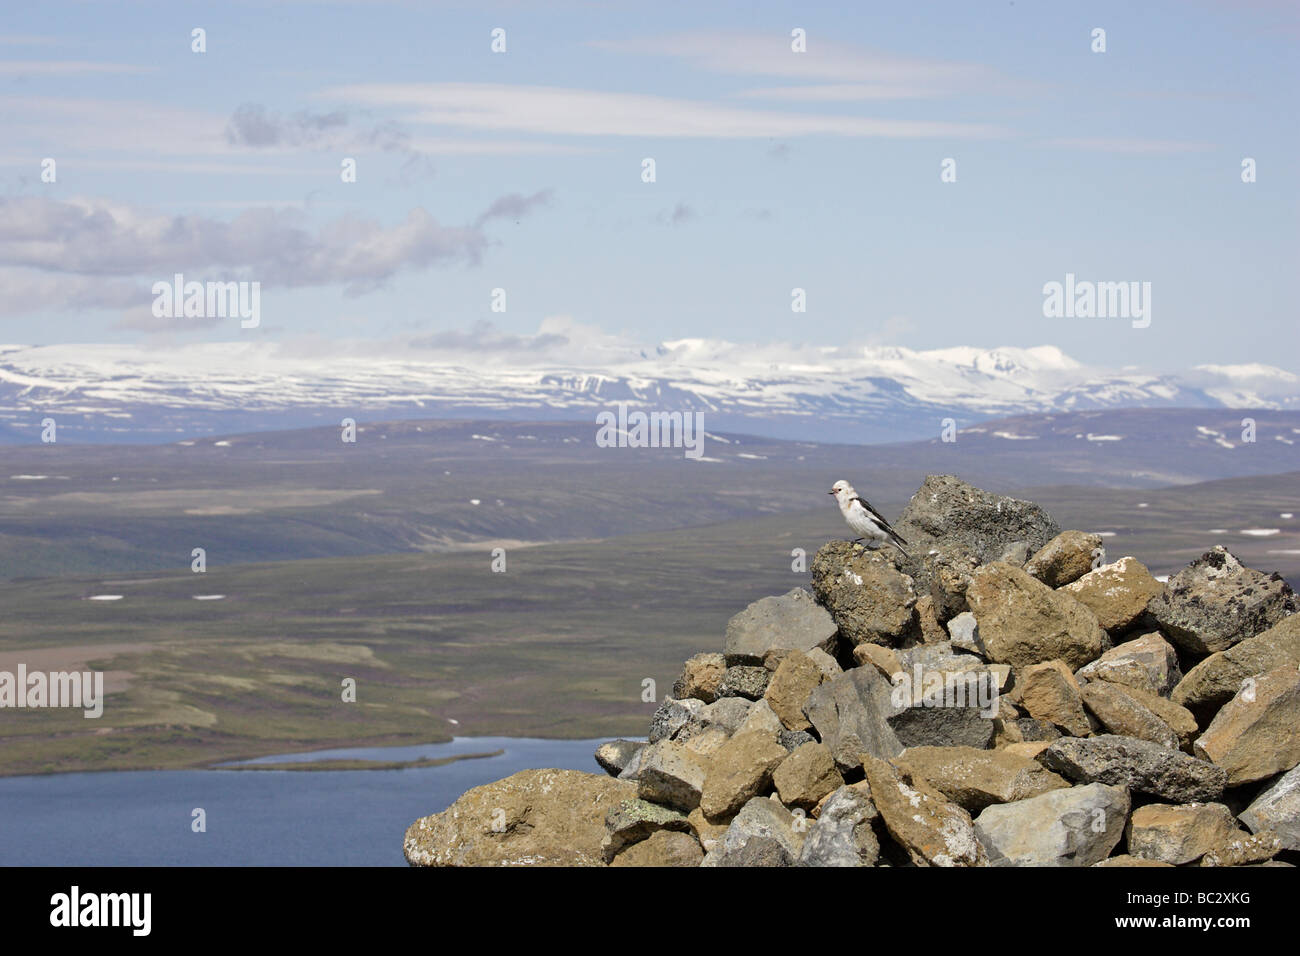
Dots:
pixel 864 519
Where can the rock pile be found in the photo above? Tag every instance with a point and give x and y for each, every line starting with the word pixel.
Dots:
pixel 1001 696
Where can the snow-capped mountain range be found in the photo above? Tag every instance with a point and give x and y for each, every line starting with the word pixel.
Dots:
pixel 137 393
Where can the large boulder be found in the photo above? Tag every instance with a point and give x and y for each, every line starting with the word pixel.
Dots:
pixel 1257 734
pixel 973 779
pixel 534 817
pixel 795 678
pixel 1137 764
pixel 1215 602
pixel 1074 827
pixel 947 510
pixel 738 771
pixel 665 848
pixel 633 820
pixel 869 598
pixel 793 620
pixel 1066 558
pixel 1277 808
pixel 931 828
pixel 1215 681
pixel 849 714
pixel 1022 621
pixel 1117 593
pixel 671 774
pixel 806 776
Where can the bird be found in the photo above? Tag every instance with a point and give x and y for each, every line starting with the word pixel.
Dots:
pixel 864 519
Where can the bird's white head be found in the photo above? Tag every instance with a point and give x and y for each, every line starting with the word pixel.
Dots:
pixel 843 491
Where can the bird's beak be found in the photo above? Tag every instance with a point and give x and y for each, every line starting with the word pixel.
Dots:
pixel 830 492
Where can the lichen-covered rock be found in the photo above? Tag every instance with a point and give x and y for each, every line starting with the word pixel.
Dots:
pixel 1215 681
pixel 1147 663
pixel 672 716
pixel 931 828
pixel 633 820
pixel 1137 764
pixel 947 510
pixel 1277 808
pixel 1117 593
pixel 806 776
pixel 796 677
pixel 739 770
pixel 744 680
pixel 793 620
pixel 1022 621
pixel 1066 558
pixel 1078 826
pixel 869 598
pixel 1049 692
pixel 534 817
pixel 701 678
pixel 665 848
pixel 1242 850
pixel 842 834
pixel 1256 735
pixel 1180 834
pixel 1215 602
pixel 671 774
pixel 973 779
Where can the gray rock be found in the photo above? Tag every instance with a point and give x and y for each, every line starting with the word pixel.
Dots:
pixel 850 715
pixel 948 569
pixel 964 631
pixel 761 719
pixel 1137 764
pixel 1215 602
pixel 947 510
pixel 672 716
pixel 1066 558
pixel 615 755
pixel 763 833
pixel 633 767
pixel 792 740
pixel 672 775
pixel 727 713
pixel 634 820
pixel 793 620
pixel 745 681
pixel 843 834
pixel 869 598
pixel 1075 827
pixel 1277 808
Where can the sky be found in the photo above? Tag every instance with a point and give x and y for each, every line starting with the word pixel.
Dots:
pixel 775 169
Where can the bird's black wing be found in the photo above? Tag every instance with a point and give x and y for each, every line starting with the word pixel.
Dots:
pixel 881 519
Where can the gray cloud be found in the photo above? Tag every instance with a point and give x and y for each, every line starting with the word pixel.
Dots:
pixel 486 337
pixel 515 205
pixel 252 125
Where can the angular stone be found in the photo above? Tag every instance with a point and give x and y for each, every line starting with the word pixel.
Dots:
pixel 633 766
pixel 665 848
pixel 761 719
pixel 1256 735
pixel 870 600
pixel 932 829
pixel 883 659
pixel 762 834
pixel 709 834
pixel 633 820
pixel 1216 602
pixel 1277 808
pixel 949 569
pixel 747 681
pixel 1179 834
pixel 1243 850
pixel 964 631
pixel 1065 559
pixel 705 743
pixel 1049 692
pixel 615 755
pixel 792 740
pixel 842 834
pixel 795 678
pixel 671 774
pixel 1147 663
pixel 947 510
pixel 973 779
pixel 1137 764
pixel 1126 710
pixel 1122 714
pixel 932 632
pixel 672 716
pixel 849 715
pixel 1117 593
pixel 701 677
pixel 534 817
pixel 740 770
pixel 806 776
pixel 793 620
pixel 1022 621
pixel 1123 859
pixel 1215 681
pixel 1078 826
pixel 726 713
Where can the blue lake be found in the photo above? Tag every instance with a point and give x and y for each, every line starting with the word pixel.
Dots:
pixel 256 818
